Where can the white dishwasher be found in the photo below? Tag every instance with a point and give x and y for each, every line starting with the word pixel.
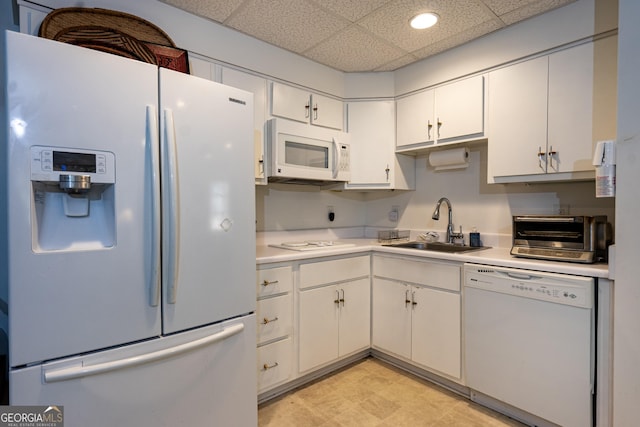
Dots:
pixel 529 342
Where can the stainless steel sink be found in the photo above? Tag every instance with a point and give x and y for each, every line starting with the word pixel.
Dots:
pixel 437 246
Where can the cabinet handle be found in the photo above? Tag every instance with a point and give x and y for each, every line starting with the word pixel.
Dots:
pixel 315 112
pixel 265 320
pixel 342 299
pixel 337 300
pixel 413 299
pixel 429 127
pixel 267 282
pixel 541 154
pixel 552 153
pixel 439 126
pixel 306 110
pixel 406 298
pixel 266 366
pixel 387 170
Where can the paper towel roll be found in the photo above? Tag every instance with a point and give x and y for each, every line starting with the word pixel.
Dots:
pixel 456 158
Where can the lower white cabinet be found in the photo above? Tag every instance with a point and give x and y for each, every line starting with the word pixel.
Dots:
pixel 315 312
pixel 334 310
pixel 334 322
pixel 274 363
pixel 274 317
pixel 416 312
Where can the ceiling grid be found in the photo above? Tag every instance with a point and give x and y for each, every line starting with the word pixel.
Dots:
pixel 364 36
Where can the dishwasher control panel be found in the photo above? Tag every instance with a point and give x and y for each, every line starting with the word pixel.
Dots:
pixel 560 288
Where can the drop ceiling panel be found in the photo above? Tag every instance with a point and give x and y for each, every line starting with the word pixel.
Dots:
pixel 365 35
pixel 532 9
pixel 392 21
pixel 351 9
pixel 216 10
pixel 353 49
pixel 292 24
pixel 457 39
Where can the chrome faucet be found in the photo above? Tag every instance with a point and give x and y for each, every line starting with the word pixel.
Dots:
pixel 451 235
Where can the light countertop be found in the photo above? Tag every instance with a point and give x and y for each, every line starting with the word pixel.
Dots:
pixel 497 256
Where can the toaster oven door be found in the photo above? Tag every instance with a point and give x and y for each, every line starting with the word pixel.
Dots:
pixel 558 232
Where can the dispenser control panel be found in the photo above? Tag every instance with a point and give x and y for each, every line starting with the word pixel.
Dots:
pixel 48 163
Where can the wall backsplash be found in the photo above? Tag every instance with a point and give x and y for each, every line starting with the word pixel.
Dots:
pixel 489 207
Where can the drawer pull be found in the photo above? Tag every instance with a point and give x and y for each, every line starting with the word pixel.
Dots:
pixel 266 366
pixel 266 321
pixel 267 283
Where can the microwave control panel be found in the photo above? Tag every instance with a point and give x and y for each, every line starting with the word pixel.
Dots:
pixel 345 158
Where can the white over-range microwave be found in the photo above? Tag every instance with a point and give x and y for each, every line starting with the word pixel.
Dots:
pixel 302 153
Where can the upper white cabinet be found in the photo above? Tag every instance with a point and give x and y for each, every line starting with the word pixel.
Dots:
pixel 257 86
pixel 446 114
pixel 299 105
pixel 415 119
pixel 542 119
pixel 374 163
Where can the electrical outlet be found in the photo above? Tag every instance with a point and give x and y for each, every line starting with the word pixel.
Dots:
pixel 393 214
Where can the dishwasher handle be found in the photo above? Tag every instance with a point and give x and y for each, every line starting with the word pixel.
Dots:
pixel 519 276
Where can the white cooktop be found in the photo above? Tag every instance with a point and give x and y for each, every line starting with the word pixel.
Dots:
pixel 312 245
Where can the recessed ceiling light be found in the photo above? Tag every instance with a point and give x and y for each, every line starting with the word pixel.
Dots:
pixel 424 20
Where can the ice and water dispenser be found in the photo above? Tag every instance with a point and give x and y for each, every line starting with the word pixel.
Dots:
pixel 73 205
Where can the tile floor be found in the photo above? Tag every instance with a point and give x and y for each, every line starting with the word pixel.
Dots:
pixel 374 393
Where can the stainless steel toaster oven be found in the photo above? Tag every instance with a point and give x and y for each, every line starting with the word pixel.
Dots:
pixel 572 238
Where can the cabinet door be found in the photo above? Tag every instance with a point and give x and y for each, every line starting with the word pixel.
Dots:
pixel 318 334
pixel 436 330
pixel 290 102
pixel 355 316
pixel 372 138
pixel 257 86
pixel 414 119
pixel 327 112
pixel 517 119
pixel 391 317
pixel 570 141
pixel 201 68
pixel 460 109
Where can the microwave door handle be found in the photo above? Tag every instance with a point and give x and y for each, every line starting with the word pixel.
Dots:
pixel 336 158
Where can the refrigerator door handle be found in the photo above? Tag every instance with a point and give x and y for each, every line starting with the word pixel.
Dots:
pixel 74 372
pixel 152 141
pixel 172 246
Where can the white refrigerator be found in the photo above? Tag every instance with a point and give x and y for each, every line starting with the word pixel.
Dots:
pixel 128 267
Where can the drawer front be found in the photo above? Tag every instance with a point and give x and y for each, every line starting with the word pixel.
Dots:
pixel 429 273
pixel 274 318
pixel 272 281
pixel 337 270
pixel 274 364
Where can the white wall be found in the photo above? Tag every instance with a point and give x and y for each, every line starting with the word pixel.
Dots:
pixel 626 386
pixel 295 207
